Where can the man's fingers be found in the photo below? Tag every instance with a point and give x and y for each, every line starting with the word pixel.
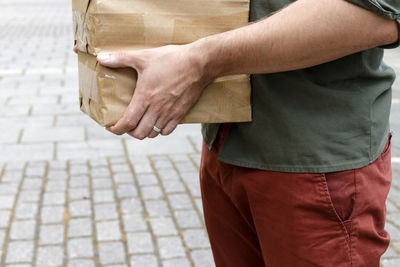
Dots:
pixel 170 127
pixel 116 59
pixel 145 126
pixel 75 50
pixel 131 118
pixel 160 124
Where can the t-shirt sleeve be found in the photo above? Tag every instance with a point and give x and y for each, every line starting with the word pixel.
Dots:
pixel 389 9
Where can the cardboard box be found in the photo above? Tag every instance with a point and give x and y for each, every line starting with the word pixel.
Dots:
pixel 111 25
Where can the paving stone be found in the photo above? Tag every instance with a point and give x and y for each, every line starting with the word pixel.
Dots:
pixel 100 196
pixel 51 234
pixel 50 256
pixel 29 196
pixel 194 189
pixel 58 134
pixel 35 171
pixel 14 176
pixel 162 163
pixel 98 163
pixel 55 109
pixel 170 174
pixel 131 205
pixel 79 227
pixel 80 247
pixel 185 167
pixel 80 208
pixel 142 167
pixel 389 253
pixel 134 223
pixel 176 263
pixel 22 229
pixel 32 183
pixel 202 258
pixel 140 243
pixel 4 218
pixel 196 238
pixel 187 219
pixel 52 214
pixel 173 187
pixel 118 168
pixel 147 179
pixel 391 208
pixel 196 157
pixel 108 230
pixel 144 261
pixel 8 189
pixel 199 205
pixel 390 262
pixel 151 192
pixel 10 135
pixel 26 210
pixel 126 190
pixel 56 185
pixel 56 166
pixel 105 211
pixel 26 152
pixel 79 170
pixel 2 239
pixel 19 251
pixel 111 253
pixel 395 218
pixel 123 178
pixel 78 193
pixel 57 175
pixel 54 198
pixel 158 146
pixel 170 247
pixel 180 201
pixel 98 172
pixel 6 201
pixel 102 183
pixel 91 149
pixel 81 263
pixel 179 158
pixel 19 265
pixel 191 177
pixel 163 226
pixel 157 208
pixel 79 181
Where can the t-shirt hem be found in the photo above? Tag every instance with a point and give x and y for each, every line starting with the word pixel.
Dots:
pixel 297 169
pixel 303 169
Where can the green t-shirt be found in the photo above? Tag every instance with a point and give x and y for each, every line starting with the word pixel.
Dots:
pixel 330 117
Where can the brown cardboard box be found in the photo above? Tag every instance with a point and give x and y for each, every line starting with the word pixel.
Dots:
pixel 110 25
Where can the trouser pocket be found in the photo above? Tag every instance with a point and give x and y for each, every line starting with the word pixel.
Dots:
pixel 341 189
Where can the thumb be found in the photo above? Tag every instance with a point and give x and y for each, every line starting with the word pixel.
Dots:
pixel 114 59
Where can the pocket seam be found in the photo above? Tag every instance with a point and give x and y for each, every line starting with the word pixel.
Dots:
pixel 332 211
pixel 386 150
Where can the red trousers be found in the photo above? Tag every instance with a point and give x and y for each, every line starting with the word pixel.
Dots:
pixel 259 218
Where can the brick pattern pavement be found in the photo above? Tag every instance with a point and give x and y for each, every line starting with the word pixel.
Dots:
pixel 72 194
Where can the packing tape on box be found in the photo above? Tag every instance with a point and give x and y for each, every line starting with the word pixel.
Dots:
pixel 87 85
pixel 150 23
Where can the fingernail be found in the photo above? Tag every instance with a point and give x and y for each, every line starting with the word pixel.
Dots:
pixel 103 57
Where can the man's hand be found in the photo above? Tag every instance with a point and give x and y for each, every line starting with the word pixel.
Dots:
pixel 170 81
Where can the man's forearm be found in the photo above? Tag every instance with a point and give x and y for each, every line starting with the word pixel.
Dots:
pixel 304 34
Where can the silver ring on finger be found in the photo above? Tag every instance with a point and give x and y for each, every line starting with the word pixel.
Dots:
pixel 156 129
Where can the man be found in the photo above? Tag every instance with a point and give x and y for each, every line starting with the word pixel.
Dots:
pixel 305 183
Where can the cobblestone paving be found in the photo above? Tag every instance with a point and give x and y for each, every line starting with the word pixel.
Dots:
pixel 72 194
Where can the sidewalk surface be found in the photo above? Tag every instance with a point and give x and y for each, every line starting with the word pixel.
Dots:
pixel 72 194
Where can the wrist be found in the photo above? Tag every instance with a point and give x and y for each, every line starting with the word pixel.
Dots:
pixel 204 53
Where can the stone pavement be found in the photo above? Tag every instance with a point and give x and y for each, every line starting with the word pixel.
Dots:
pixel 72 194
